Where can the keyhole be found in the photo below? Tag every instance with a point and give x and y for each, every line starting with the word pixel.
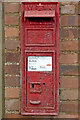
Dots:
pixel 43 83
pixel 32 85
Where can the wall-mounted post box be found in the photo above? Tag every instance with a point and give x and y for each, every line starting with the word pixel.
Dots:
pixel 39 58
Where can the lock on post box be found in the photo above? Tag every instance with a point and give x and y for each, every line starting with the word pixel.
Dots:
pixel 39 58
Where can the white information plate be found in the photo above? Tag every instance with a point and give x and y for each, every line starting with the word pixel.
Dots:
pixel 39 63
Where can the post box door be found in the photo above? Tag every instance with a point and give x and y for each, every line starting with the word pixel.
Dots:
pixel 40 84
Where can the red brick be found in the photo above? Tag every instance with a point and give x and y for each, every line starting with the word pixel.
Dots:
pixel 12 93
pixel 12 7
pixel 69 81
pixel 67 116
pixel 79 34
pixel 79 20
pixel 61 115
pixel 79 103
pixel 69 33
pixel 69 70
pixel 78 7
pixel 69 58
pixel 69 45
pixel 11 32
pixel 12 69
pixel 12 81
pixel 12 44
pixel 9 115
pixel 68 3
pixel 69 107
pixel 69 94
pixel 11 19
pixel 68 9
pixel 79 58
pixel 69 20
pixel 12 57
pixel 12 104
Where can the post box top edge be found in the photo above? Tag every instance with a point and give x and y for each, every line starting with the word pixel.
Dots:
pixel 40 2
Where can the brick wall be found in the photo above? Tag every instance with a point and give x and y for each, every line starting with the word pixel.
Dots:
pixel 69 50
pixel 12 57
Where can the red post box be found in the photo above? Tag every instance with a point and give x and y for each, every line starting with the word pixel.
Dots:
pixel 39 58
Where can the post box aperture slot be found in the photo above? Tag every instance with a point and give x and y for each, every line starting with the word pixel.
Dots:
pixel 39 63
pixel 39 17
pixel 37 36
pixel 40 21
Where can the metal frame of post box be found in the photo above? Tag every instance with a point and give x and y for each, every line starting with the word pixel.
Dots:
pixel 25 52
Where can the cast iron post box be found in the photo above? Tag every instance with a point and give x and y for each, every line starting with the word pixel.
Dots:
pixel 39 58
